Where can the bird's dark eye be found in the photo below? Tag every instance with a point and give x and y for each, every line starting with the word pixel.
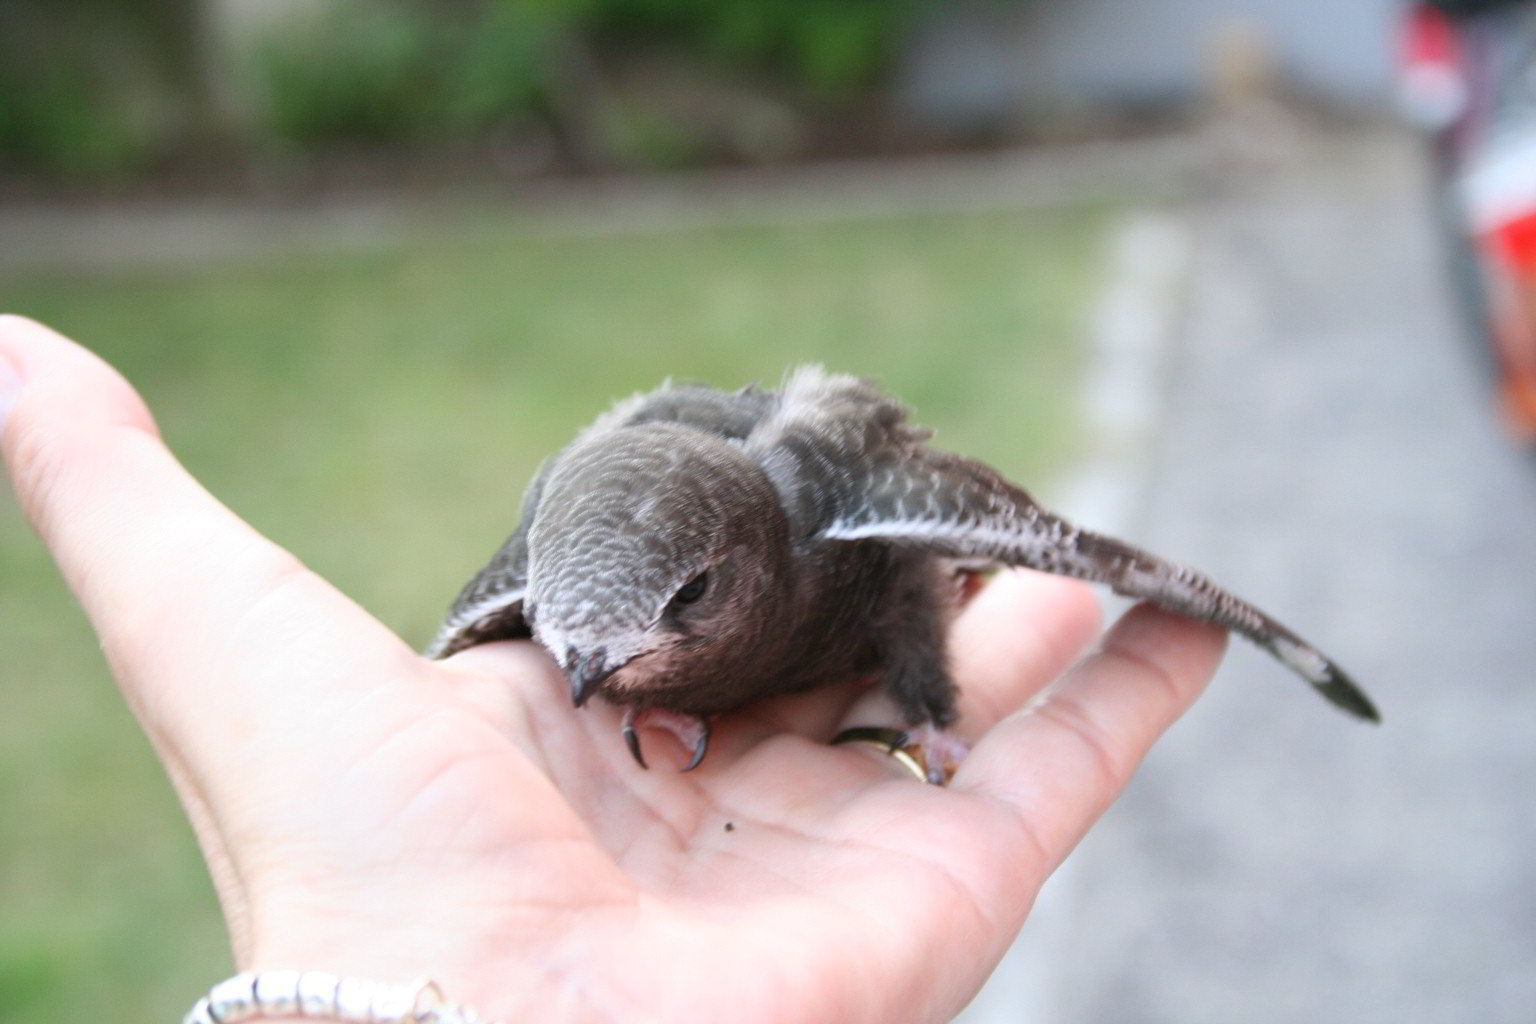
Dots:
pixel 692 590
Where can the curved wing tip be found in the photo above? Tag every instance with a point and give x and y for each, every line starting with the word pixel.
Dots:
pixel 1342 692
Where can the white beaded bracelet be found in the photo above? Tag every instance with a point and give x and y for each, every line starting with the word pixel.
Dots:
pixel 259 995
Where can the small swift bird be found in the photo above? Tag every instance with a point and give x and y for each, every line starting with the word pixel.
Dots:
pixel 695 550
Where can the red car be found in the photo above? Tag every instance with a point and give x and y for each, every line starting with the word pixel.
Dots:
pixel 1468 76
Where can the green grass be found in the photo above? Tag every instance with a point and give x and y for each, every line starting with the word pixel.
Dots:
pixel 379 413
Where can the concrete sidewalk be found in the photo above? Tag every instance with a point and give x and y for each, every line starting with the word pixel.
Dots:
pixel 1327 448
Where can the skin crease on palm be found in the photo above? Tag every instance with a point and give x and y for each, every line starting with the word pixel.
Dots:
pixel 369 812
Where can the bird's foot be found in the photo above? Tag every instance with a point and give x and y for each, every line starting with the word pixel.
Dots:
pixel 691 731
pixel 938 750
pixel 927 751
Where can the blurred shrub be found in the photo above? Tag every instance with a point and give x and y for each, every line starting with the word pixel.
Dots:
pixel 56 121
pixel 829 48
pixel 366 71
pixel 394 71
pixel 76 89
pixel 406 72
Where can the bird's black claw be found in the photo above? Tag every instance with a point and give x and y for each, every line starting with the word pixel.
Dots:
pixel 700 747
pixel 632 741
pixel 691 731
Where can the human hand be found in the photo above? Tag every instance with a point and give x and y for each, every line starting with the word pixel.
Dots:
pixel 365 811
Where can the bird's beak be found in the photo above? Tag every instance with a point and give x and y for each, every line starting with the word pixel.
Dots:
pixel 587 672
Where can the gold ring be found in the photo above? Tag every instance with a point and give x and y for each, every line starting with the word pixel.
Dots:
pixel 893 742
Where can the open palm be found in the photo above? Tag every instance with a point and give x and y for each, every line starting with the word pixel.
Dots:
pixel 366 811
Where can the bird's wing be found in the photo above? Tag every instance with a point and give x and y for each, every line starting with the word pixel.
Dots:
pixel 728 414
pixel 824 431
pixel 490 607
pixel 959 508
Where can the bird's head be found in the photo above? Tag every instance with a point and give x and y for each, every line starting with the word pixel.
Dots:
pixel 653 550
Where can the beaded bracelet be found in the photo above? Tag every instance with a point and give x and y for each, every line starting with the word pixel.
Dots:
pixel 258 995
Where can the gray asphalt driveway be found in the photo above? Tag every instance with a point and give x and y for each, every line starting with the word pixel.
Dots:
pixel 1327 449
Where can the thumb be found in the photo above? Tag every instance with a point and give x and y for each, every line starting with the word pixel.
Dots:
pixel 183 594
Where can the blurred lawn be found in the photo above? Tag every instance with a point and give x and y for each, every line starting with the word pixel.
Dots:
pixel 379 414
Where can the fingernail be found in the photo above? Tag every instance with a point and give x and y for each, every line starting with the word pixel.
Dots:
pixel 10 387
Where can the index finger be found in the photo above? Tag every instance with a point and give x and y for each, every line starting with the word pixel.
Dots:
pixel 1058 764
